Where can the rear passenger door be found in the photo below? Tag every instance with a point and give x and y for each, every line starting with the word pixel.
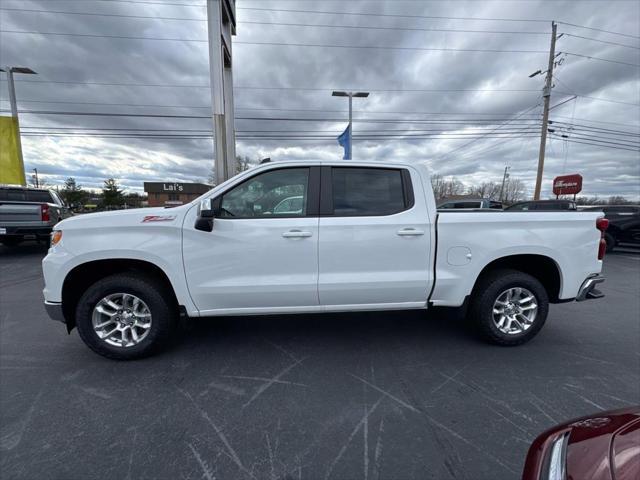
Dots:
pixel 374 238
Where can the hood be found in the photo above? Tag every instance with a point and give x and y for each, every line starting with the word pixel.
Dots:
pixel 134 216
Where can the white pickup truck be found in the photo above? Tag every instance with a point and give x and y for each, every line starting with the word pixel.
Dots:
pixel 315 236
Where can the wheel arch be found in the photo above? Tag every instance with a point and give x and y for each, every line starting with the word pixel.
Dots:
pixel 545 269
pixel 82 276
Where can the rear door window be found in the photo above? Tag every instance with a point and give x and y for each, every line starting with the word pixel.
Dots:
pixel 363 191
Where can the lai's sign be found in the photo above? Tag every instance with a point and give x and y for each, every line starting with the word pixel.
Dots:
pixel 567 184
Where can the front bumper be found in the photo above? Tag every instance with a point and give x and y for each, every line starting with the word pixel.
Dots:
pixel 54 310
pixel 588 289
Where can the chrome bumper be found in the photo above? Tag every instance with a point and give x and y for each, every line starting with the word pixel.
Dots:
pixel 54 310
pixel 588 290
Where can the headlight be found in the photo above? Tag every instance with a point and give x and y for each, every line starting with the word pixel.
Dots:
pixel 56 236
pixel 555 465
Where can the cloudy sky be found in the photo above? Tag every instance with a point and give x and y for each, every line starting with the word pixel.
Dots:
pixel 450 86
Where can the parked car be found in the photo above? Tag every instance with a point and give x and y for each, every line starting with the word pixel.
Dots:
pixel 615 211
pixel 604 446
pixel 470 203
pixel 28 212
pixel 543 205
pixel 623 231
pixel 368 237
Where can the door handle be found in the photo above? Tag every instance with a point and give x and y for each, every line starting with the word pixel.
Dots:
pixel 296 234
pixel 405 232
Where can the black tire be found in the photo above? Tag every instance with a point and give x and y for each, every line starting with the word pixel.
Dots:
pixel 488 290
pixel 160 302
pixel 611 242
pixel 12 241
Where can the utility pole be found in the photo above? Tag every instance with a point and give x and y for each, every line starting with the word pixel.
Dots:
pixel 221 25
pixel 350 95
pixel 545 115
pixel 35 171
pixel 504 179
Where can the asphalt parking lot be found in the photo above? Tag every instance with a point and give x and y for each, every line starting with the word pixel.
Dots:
pixel 373 395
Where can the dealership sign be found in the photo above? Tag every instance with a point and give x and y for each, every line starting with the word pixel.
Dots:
pixel 567 184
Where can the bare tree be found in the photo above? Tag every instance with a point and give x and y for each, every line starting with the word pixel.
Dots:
pixel 242 164
pixel 618 200
pixel 444 188
pixel 514 191
pixel 485 190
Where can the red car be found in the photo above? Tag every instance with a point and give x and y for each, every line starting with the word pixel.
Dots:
pixel 605 446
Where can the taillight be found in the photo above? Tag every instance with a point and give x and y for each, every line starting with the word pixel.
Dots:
pixel 602 224
pixel 44 212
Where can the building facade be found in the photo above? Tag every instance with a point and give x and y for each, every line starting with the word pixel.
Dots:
pixel 166 194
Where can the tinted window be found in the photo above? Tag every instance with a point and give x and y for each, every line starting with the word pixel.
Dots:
pixel 620 210
pixel 519 207
pixel 367 191
pixel 276 193
pixel 11 194
pixel 40 196
pixel 18 195
pixel 467 205
pixel 495 205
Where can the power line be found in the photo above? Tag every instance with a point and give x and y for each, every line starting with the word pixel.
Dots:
pixel 601 41
pixel 92 35
pixel 599 138
pixel 599 30
pixel 117 15
pixel 596 129
pixel 369 27
pixel 153 3
pixel 499 126
pixel 603 122
pixel 417 90
pixel 382 47
pixel 601 59
pixel 598 98
pixel 255 87
pixel 364 14
pixel 595 144
pixel 119 84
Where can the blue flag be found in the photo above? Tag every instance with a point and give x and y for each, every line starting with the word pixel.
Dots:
pixel 345 142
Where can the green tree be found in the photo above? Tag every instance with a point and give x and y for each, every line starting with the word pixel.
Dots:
pixel 112 195
pixel 72 193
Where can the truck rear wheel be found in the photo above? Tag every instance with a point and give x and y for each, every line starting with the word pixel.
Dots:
pixel 125 317
pixel 611 242
pixel 509 307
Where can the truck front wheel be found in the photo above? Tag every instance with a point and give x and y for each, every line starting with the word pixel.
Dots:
pixel 125 316
pixel 509 307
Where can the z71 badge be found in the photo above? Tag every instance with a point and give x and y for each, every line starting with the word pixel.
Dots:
pixel 158 218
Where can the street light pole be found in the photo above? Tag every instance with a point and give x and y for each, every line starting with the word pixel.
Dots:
pixel 14 107
pixel 350 95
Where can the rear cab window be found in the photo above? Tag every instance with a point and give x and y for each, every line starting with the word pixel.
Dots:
pixel 366 191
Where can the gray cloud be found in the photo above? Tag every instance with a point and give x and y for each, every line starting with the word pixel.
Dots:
pixel 134 160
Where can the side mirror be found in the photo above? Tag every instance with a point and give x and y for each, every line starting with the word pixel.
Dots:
pixel 204 221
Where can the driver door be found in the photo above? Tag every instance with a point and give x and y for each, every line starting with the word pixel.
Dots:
pixel 262 254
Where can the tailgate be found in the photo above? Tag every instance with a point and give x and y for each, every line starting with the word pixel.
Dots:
pixel 18 213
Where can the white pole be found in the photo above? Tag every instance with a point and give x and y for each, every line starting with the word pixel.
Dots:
pixel 350 125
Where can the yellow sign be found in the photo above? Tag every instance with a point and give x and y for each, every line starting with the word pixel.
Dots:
pixel 11 166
